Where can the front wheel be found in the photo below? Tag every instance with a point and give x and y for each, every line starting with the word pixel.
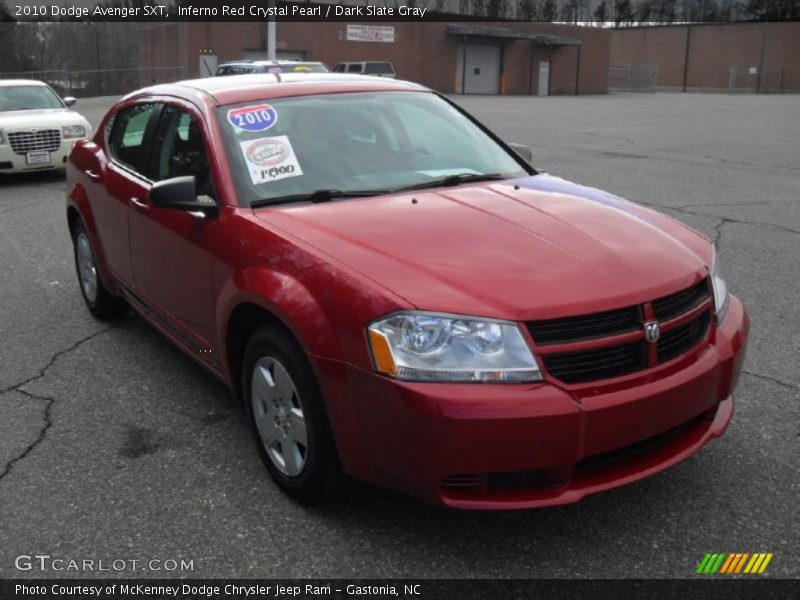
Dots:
pixel 100 302
pixel 288 418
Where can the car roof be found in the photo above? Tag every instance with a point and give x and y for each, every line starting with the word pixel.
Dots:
pixel 260 86
pixel 10 82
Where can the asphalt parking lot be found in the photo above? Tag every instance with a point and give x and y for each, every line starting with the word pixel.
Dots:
pixel 113 445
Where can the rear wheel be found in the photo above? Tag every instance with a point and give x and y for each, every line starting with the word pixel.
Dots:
pixel 288 418
pixel 100 302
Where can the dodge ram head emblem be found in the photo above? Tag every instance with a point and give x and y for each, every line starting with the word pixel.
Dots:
pixel 652 331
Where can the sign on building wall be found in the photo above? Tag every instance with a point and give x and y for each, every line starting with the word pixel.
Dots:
pixel 370 33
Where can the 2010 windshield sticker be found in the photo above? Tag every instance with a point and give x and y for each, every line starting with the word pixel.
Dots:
pixel 253 118
pixel 270 159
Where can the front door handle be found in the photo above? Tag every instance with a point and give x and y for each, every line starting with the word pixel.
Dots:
pixel 139 205
pixel 93 175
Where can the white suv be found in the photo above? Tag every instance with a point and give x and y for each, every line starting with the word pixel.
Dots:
pixel 37 129
pixel 369 67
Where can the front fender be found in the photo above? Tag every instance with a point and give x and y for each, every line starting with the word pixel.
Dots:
pixel 78 200
pixel 287 299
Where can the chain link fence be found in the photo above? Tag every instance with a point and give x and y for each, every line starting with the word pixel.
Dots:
pixel 753 81
pixel 631 77
pixel 100 82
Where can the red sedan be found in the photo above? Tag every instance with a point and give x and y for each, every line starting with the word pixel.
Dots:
pixel 397 296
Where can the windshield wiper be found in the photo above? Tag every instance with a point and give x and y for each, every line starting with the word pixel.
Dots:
pixel 317 197
pixel 452 180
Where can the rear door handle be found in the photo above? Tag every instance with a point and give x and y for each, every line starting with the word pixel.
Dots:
pixel 139 205
pixel 93 175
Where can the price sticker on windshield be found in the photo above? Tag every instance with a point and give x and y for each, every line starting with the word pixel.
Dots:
pixel 253 118
pixel 270 159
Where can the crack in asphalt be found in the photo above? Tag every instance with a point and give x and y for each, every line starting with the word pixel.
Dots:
pixel 725 220
pixel 48 422
pixel 791 386
pixel 49 400
pixel 16 387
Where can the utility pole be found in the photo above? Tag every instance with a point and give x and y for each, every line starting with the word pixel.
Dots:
pixel 271 30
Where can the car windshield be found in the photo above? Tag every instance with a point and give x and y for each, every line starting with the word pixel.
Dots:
pixel 28 97
pixel 355 144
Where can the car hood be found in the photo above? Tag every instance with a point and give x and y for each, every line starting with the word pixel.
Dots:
pixel 56 117
pixel 539 247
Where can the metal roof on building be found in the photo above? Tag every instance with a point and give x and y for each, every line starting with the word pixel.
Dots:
pixel 511 34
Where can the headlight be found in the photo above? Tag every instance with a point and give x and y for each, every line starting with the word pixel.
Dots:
pixel 419 346
pixel 72 132
pixel 720 288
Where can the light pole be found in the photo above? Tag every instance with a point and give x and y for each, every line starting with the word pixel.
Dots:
pixel 271 30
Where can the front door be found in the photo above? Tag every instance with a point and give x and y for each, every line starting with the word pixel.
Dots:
pixel 172 266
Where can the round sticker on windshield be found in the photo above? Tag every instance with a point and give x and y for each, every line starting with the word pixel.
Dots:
pixel 253 118
pixel 267 152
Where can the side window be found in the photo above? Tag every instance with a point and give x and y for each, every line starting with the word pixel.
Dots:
pixel 354 68
pixel 378 68
pixel 126 141
pixel 180 150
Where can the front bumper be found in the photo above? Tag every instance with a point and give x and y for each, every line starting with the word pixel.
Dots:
pixel 484 446
pixel 11 162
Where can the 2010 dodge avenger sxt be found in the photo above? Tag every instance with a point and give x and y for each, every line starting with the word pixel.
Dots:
pixel 398 297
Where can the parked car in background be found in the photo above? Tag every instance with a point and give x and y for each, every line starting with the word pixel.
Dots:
pixel 244 67
pixel 37 129
pixel 369 67
pixel 396 295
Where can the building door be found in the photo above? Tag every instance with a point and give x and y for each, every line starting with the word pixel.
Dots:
pixel 482 72
pixel 544 78
pixel 208 65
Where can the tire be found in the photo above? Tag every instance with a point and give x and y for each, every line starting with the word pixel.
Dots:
pixel 288 418
pixel 101 303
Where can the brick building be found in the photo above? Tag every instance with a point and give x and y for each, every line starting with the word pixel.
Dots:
pixel 473 57
pixel 762 57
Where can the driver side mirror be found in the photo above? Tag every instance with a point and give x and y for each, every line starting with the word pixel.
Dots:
pixel 180 193
pixel 523 151
pixel 70 100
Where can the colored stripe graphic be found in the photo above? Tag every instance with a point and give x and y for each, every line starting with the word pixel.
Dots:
pixel 728 562
pixel 740 564
pixel 765 563
pixel 701 567
pixel 732 563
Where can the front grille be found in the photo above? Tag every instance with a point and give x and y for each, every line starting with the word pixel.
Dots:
pixel 683 338
pixel 602 363
pixel 591 364
pixel 23 142
pixel 585 327
pixel 675 305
